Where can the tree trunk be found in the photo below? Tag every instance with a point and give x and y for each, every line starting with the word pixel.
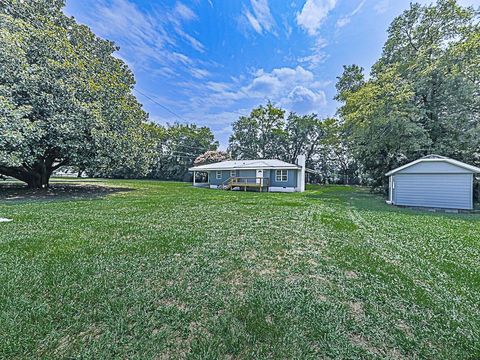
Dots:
pixel 36 176
pixel 39 179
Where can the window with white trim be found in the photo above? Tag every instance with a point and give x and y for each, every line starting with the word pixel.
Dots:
pixel 233 173
pixel 218 174
pixel 281 175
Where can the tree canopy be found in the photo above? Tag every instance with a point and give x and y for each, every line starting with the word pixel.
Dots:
pixel 423 93
pixel 176 149
pixel 65 99
pixel 267 134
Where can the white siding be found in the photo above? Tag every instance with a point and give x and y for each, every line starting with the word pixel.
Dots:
pixel 451 191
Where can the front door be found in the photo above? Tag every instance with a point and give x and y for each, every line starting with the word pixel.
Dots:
pixel 259 176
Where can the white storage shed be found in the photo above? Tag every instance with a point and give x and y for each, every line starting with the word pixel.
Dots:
pixel 433 181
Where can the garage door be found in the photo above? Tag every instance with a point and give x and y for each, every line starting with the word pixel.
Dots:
pixel 451 191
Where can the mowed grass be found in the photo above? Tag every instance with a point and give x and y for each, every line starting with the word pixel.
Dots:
pixel 164 270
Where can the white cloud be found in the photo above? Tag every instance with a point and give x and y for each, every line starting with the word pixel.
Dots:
pixel 149 41
pixel 278 82
pixel 197 45
pixel 345 20
pixel 254 22
pixel 199 73
pixel 317 56
pixel 381 7
pixel 294 88
pixel 261 19
pixel 263 14
pixel 304 100
pixel 183 12
pixel 313 14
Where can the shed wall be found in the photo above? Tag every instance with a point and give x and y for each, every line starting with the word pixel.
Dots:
pixel 450 191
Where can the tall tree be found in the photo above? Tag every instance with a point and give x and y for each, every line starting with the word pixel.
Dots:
pixel 336 158
pixel 423 93
pixel 64 98
pixel 259 135
pixel 177 147
pixel 303 136
pixel 351 80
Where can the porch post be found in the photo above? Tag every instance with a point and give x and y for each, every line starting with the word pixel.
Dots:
pixel 194 173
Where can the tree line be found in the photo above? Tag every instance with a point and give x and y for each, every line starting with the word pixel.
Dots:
pixel 66 100
pixel 422 96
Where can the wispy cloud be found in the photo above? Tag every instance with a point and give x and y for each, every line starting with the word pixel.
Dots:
pixel 260 18
pixel 254 22
pixel 183 12
pixel 151 40
pixel 313 14
pixel 345 19
pixel 194 43
pixel 317 56
pixel 294 88
pixel 381 6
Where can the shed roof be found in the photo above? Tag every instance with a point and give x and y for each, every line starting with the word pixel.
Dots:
pixel 437 158
pixel 246 165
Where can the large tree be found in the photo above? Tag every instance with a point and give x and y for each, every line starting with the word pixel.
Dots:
pixel 303 135
pixel 177 147
pixel 259 135
pixel 266 134
pixel 423 93
pixel 64 98
pixel 335 160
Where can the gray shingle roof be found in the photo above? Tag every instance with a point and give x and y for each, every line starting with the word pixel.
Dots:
pixel 246 164
pixel 437 158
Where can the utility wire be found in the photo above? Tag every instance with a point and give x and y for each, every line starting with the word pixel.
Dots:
pixel 161 105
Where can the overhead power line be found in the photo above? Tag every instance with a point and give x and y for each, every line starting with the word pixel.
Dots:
pixel 161 105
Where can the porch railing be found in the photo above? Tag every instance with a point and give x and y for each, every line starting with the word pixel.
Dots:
pixel 247 181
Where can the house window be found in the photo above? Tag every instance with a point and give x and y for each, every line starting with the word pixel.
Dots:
pixel 219 175
pixel 281 175
pixel 233 173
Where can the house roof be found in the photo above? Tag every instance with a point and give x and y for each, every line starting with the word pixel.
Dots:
pixel 437 158
pixel 246 165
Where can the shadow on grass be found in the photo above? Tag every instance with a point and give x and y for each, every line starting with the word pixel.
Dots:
pixel 16 192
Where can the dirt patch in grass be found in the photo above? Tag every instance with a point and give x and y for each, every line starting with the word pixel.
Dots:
pixel 351 274
pixel 18 193
pixel 356 308
pixel 68 341
pixel 360 341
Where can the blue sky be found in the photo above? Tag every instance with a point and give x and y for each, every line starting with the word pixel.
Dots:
pixel 210 61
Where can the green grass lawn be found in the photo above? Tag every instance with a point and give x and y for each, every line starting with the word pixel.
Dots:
pixel 163 270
